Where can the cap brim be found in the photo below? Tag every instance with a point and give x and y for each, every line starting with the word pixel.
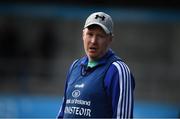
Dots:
pixel 101 25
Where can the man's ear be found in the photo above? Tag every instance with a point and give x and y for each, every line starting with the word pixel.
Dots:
pixel 111 37
pixel 82 34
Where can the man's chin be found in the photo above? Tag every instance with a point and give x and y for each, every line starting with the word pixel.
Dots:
pixel 92 57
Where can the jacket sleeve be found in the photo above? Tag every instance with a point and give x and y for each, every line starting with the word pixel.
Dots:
pixel 61 110
pixel 63 104
pixel 119 84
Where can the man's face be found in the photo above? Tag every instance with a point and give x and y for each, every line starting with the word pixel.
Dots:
pixel 96 42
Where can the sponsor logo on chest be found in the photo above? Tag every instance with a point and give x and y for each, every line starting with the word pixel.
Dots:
pixel 79 85
pixel 76 93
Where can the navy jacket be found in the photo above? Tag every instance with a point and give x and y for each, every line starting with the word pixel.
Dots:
pixel 104 91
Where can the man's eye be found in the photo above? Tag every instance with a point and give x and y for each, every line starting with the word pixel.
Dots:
pixel 90 34
pixel 101 36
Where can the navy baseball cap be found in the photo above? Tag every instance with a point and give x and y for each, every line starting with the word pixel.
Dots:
pixel 102 19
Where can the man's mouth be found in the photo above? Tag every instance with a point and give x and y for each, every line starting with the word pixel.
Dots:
pixel 92 49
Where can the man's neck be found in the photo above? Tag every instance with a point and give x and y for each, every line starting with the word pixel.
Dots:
pixel 92 63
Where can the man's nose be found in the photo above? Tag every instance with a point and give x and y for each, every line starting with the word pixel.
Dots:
pixel 94 39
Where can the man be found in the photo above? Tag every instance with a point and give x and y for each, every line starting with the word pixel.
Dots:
pixel 99 85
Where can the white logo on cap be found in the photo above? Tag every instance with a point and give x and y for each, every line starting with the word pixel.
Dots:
pixel 102 17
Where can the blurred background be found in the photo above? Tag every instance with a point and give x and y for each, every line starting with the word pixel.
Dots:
pixel 39 41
